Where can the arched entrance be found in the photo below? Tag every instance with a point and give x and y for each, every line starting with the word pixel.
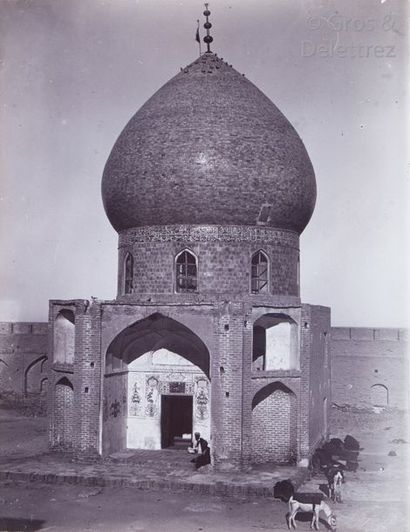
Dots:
pixel 156 386
pixel 274 424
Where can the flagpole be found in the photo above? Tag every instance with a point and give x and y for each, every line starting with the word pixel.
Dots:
pixel 199 39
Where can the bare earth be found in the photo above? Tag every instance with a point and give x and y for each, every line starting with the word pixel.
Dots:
pixel 375 497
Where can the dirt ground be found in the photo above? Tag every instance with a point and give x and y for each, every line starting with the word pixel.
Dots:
pixel 374 497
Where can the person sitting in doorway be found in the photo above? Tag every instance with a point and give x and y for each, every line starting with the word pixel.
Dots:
pixel 197 444
pixel 201 448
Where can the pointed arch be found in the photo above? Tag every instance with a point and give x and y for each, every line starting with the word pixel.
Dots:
pixel 64 337
pixel 151 334
pixel 267 390
pixel 128 273
pixel 64 381
pixel 275 343
pixel 274 424
pixel 135 413
pixel 260 267
pixel 186 271
pixel 63 414
pixel 30 370
pixel 44 385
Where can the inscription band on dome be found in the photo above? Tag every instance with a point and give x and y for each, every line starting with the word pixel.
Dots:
pixel 209 233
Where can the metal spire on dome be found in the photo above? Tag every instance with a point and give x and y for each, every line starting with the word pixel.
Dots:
pixel 207 39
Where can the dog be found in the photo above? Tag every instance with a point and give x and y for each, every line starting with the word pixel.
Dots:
pixel 335 479
pixel 296 506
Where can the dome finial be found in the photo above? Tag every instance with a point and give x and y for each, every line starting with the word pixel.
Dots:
pixel 207 39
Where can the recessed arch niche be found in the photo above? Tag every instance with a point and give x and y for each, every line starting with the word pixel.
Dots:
pixel 274 424
pixel 379 395
pixel 63 414
pixel 275 343
pixel 153 358
pixel 64 337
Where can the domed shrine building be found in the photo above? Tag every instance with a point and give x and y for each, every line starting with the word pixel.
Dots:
pixel 208 187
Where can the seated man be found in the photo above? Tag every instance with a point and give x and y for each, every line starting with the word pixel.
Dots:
pixel 201 448
pixel 195 444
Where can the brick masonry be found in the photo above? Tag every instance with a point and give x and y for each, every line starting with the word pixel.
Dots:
pixel 168 187
pixel 240 396
pixel 23 358
pixel 351 354
pixel 166 167
pixel 370 367
pixel 223 254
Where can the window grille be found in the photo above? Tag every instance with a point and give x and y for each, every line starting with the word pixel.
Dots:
pixel 259 274
pixel 186 272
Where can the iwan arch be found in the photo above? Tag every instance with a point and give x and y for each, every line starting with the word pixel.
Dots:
pixel 209 188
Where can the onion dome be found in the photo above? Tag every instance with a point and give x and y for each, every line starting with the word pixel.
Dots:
pixel 209 148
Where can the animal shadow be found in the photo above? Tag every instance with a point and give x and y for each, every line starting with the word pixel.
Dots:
pixel 306 517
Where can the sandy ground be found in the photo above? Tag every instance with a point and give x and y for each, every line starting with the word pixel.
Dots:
pixel 375 497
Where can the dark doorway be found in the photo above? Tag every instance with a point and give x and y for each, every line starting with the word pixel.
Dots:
pixel 176 420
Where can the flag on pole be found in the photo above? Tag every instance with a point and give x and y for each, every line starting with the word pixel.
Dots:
pixel 197 34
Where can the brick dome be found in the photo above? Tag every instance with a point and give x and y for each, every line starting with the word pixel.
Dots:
pixel 209 148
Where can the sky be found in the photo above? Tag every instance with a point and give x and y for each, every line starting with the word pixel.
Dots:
pixel 73 72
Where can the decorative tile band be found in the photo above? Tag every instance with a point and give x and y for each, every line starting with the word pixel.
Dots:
pixel 208 233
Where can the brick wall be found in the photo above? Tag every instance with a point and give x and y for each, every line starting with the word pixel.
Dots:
pixel 363 358
pixel 23 357
pixel 275 399
pixel 320 373
pixel 274 428
pixel 88 411
pixel 63 435
pixel 115 413
pixel 315 377
pixel 227 383
pixel 167 167
pixel 224 258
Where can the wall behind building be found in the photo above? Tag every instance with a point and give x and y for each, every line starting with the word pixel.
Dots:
pixel 370 367
pixel 23 357
pixel 366 363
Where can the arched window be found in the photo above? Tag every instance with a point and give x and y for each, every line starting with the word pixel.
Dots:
pixel 129 274
pixel 259 273
pixel 186 272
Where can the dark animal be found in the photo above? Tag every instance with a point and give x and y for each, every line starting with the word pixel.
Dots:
pixel 351 444
pixel 322 461
pixel 283 490
pixel 337 444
